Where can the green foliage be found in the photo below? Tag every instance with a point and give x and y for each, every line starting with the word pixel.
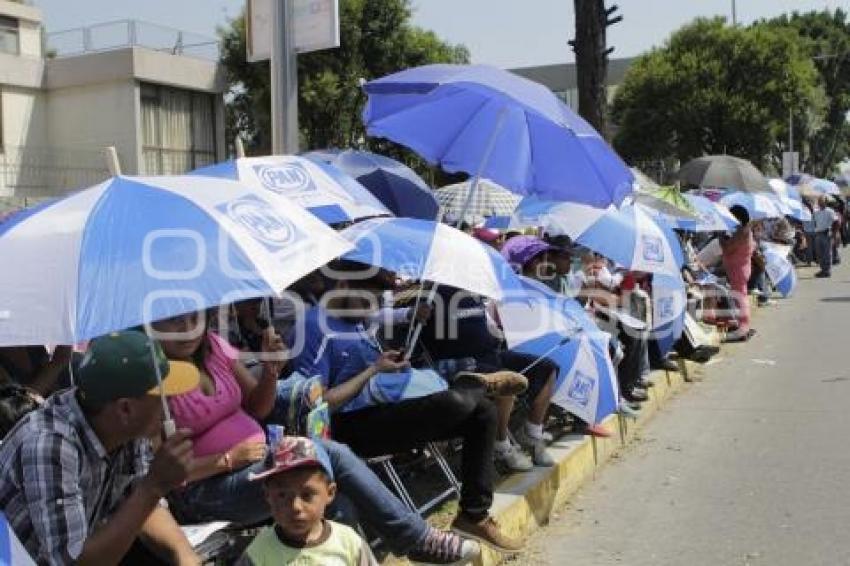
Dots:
pixel 376 39
pixel 826 37
pixel 713 88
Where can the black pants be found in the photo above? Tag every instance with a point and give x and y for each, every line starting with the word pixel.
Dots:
pixel 628 372
pixel 461 412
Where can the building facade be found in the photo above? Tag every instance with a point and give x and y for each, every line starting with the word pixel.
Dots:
pixel 66 96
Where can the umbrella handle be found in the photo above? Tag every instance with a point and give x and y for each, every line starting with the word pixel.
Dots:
pixel 413 337
pixel 168 425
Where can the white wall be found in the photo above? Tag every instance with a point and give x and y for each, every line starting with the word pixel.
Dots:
pixel 29 38
pixel 24 125
pixel 24 116
pixel 94 116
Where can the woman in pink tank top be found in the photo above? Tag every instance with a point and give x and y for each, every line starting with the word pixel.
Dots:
pixel 223 414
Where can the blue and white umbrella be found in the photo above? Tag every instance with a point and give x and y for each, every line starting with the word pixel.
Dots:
pixel 393 183
pixel 669 303
pixel 794 208
pixel 12 552
pixel 321 188
pixel 498 222
pixel 497 125
pixel 758 205
pixel 544 324
pixel 431 251
pixel 138 249
pixel 629 236
pixel 818 187
pixel 712 217
pixel 783 188
pixel 779 268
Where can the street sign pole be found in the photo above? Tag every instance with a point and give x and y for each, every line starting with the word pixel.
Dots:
pixel 284 79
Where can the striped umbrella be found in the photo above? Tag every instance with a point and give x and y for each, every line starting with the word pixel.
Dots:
pixel 490 199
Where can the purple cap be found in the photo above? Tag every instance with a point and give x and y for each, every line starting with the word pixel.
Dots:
pixel 519 250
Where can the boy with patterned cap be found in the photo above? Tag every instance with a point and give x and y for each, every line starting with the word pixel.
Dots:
pixel 298 483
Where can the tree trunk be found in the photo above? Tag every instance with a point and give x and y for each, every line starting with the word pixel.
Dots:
pixel 592 62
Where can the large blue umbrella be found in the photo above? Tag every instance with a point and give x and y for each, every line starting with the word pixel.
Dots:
pixel 393 183
pixel 492 123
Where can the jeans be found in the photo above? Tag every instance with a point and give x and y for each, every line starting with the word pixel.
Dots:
pixel 231 497
pixel 823 241
pixel 460 412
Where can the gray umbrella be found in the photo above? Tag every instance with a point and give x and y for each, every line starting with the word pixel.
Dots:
pixel 723 172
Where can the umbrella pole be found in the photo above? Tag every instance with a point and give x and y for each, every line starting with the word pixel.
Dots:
pixel 485 159
pixel 547 353
pixel 168 426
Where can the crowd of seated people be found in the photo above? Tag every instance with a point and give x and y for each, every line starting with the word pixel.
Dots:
pixel 96 444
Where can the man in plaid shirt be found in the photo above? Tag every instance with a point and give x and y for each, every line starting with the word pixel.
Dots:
pixel 76 485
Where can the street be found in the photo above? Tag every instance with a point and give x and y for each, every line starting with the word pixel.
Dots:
pixel 747 467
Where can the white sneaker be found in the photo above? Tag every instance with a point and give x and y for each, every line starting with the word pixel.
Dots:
pixel 512 460
pixel 536 447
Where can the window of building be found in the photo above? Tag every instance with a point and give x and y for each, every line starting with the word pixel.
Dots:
pixel 9 36
pixel 178 130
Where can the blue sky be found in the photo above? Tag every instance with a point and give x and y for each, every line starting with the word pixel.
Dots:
pixel 506 33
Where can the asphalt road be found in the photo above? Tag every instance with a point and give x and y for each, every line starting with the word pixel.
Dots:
pixel 749 466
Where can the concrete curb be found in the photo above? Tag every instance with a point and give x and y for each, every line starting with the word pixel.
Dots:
pixel 524 502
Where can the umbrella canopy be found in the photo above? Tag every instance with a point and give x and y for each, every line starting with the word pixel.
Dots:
pixel 489 122
pixel 668 201
pixel 793 208
pixel 431 251
pixel 629 235
pixel 393 183
pixel 724 172
pixel 779 268
pixel 784 189
pixel 643 182
pixel 542 323
pixel 490 199
pixel 324 190
pixel 758 206
pixel 669 302
pixel 500 223
pixel 813 187
pixel 712 217
pixel 138 249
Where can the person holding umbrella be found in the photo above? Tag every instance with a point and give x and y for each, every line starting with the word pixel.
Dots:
pixel 83 457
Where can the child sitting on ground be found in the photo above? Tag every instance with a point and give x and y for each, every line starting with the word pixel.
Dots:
pixel 298 484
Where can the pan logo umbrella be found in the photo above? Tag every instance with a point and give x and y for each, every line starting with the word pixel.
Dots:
pixel 653 248
pixel 285 179
pixel 258 218
pixel 325 191
pixel 581 388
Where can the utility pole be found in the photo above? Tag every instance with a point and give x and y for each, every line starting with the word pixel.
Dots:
pixel 284 75
pixel 734 14
pixel 592 20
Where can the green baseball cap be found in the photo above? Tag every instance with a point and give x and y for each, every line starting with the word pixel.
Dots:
pixel 120 364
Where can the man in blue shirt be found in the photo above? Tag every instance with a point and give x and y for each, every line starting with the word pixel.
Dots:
pixel 380 406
